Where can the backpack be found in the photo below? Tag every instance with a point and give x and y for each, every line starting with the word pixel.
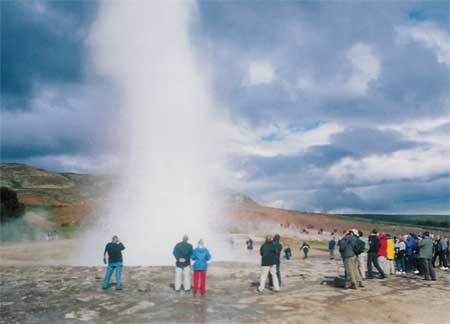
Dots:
pixel 359 246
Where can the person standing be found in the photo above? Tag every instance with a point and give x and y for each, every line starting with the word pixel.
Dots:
pixel 249 244
pixel 183 253
pixel 305 248
pixel 362 258
pixel 347 247
pixel 400 248
pixel 372 255
pixel 113 257
pixel 382 253
pixel 425 255
pixel 200 256
pixel 332 247
pixel 409 253
pixel 278 249
pixel 390 254
pixel 442 250
pixel 268 264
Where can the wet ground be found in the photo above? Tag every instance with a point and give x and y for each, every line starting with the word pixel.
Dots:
pixel 62 294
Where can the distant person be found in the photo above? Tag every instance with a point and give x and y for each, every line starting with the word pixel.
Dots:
pixel 268 264
pixel 305 248
pixel 382 254
pixel 447 251
pixel 287 253
pixel 249 244
pixel 183 253
pixel 200 256
pixel 113 257
pixel 332 247
pixel 390 254
pixel 436 251
pixel 372 255
pixel 278 249
pixel 400 252
pixel 425 254
pixel 361 255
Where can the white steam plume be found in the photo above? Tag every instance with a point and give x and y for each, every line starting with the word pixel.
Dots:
pixel 171 146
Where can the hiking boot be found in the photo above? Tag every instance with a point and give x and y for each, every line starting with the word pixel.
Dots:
pixel 361 284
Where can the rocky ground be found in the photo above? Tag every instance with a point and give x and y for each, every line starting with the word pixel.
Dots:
pixel 36 292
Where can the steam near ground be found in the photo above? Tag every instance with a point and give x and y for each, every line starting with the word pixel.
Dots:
pixel 170 157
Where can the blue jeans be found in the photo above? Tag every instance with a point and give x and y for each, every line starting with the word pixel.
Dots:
pixel 400 263
pixel 109 271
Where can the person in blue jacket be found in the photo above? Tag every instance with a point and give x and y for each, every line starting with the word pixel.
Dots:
pixel 200 256
pixel 332 247
pixel 410 246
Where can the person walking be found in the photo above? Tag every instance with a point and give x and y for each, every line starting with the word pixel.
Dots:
pixel 425 255
pixel 268 264
pixel 200 256
pixel 305 248
pixel 372 255
pixel 113 257
pixel 278 249
pixel 183 253
pixel 332 247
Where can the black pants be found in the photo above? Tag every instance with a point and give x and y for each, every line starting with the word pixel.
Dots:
pixel 278 276
pixel 433 260
pixel 427 269
pixel 373 258
pixel 443 259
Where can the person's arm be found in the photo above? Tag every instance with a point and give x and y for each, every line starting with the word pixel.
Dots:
pixel 208 255
pixel 176 252
pixel 105 254
pixel 122 247
pixel 261 250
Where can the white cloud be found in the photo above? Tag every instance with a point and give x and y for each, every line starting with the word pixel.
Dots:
pixel 430 36
pixel 429 159
pixel 245 140
pixel 260 72
pixel 366 68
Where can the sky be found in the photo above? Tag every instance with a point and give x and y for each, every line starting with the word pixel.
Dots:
pixel 330 106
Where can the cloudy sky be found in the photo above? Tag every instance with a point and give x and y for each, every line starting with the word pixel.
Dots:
pixel 334 106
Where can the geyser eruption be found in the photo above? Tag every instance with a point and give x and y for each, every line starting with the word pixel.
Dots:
pixel 170 151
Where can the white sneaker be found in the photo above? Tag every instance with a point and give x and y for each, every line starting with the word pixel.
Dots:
pixel 398 273
pixel 443 268
pixel 416 272
pixel 403 272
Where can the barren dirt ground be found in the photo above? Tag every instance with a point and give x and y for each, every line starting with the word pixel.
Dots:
pixel 33 291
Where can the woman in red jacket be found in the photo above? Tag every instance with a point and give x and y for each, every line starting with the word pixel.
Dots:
pixel 382 253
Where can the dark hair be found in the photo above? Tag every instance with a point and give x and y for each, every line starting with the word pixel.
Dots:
pixel 374 231
pixel 426 234
pixel 276 237
pixel 360 233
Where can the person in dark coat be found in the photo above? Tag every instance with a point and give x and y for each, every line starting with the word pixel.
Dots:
pixel 372 255
pixel 113 256
pixel 425 255
pixel 183 253
pixel 268 254
pixel 305 248
pixel 278 248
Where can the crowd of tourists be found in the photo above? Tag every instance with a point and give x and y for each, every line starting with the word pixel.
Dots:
pixel 378 256
pixel 389 255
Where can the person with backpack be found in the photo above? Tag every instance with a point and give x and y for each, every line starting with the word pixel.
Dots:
pixel 347 247
pixel 372 255
pixel 305 248
pixel 332 247
pixel 360 251
pixel 182 253
pixel 268 264
pixel 278 249
pixel 200 256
